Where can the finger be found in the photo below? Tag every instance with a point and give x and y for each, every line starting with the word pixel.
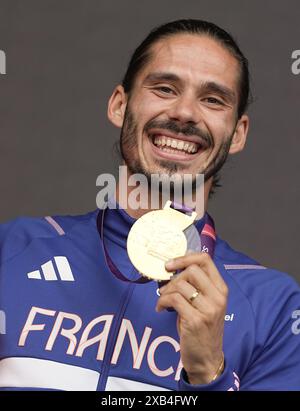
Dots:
pixel 194 279
pixel 202 305
pixel 205 262
pixel 181 286
pixel 176 301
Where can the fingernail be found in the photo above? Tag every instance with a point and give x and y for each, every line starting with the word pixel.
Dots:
pixel 169 264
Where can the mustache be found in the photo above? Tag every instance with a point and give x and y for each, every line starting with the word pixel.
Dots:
pixel 187 130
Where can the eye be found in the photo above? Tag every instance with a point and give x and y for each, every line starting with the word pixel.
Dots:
pixel 164 89
pixel 213 100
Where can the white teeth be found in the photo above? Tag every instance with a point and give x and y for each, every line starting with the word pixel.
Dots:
pixel 176 144
pixel 170 150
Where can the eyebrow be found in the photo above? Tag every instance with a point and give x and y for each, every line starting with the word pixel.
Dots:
pixel 207 86
pixel 160 76
pixel 220 89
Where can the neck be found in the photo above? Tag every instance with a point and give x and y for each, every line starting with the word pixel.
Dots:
pixel 141 196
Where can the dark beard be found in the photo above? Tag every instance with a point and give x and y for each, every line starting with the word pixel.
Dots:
pixel 128 143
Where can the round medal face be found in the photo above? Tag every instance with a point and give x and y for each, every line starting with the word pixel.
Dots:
pixel 154 239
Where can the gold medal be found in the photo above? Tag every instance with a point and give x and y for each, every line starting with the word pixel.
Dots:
pixel 157 237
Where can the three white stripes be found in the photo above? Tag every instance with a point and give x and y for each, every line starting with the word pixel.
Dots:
pixel 48 270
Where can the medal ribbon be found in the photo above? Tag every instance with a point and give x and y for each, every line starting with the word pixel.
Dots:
pixel 207 236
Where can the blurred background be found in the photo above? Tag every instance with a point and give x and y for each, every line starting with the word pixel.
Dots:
pixel 63 59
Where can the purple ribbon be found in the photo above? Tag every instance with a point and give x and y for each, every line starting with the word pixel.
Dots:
pixel 207 236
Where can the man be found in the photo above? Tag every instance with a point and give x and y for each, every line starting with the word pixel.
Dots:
pixel 223 323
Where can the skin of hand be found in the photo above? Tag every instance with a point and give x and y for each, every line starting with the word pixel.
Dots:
pixel 200 323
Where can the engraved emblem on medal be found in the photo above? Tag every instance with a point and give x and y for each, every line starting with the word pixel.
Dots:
pixel 157 237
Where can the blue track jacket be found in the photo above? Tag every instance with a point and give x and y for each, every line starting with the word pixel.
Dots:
pixel 67 323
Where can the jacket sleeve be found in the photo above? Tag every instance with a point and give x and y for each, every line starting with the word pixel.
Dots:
pixel 227 381
pixel 276 367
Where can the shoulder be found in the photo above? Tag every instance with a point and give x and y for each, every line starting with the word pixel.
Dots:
pixel 17 234
pixel 247 270
pixel 266 288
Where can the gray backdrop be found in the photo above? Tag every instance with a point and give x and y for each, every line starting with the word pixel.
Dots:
pixel 63 60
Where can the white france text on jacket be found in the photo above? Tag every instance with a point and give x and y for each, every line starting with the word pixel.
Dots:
pixel 79 341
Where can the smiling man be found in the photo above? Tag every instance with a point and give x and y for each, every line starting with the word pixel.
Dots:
pixel 178 116
pixel 85 318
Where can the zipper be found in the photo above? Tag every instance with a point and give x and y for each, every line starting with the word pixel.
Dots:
pixel 111 341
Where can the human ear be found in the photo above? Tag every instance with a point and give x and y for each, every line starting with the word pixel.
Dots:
pixel 116 106
pixel 240 135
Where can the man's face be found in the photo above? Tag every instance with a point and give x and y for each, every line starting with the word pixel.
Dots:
pixel 182 111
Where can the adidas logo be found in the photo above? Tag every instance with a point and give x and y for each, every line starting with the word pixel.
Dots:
pixel 50 269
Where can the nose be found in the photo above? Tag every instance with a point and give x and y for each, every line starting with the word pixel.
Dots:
pixel 184 109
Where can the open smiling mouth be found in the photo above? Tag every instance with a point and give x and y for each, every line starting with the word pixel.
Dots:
pixel 182 149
